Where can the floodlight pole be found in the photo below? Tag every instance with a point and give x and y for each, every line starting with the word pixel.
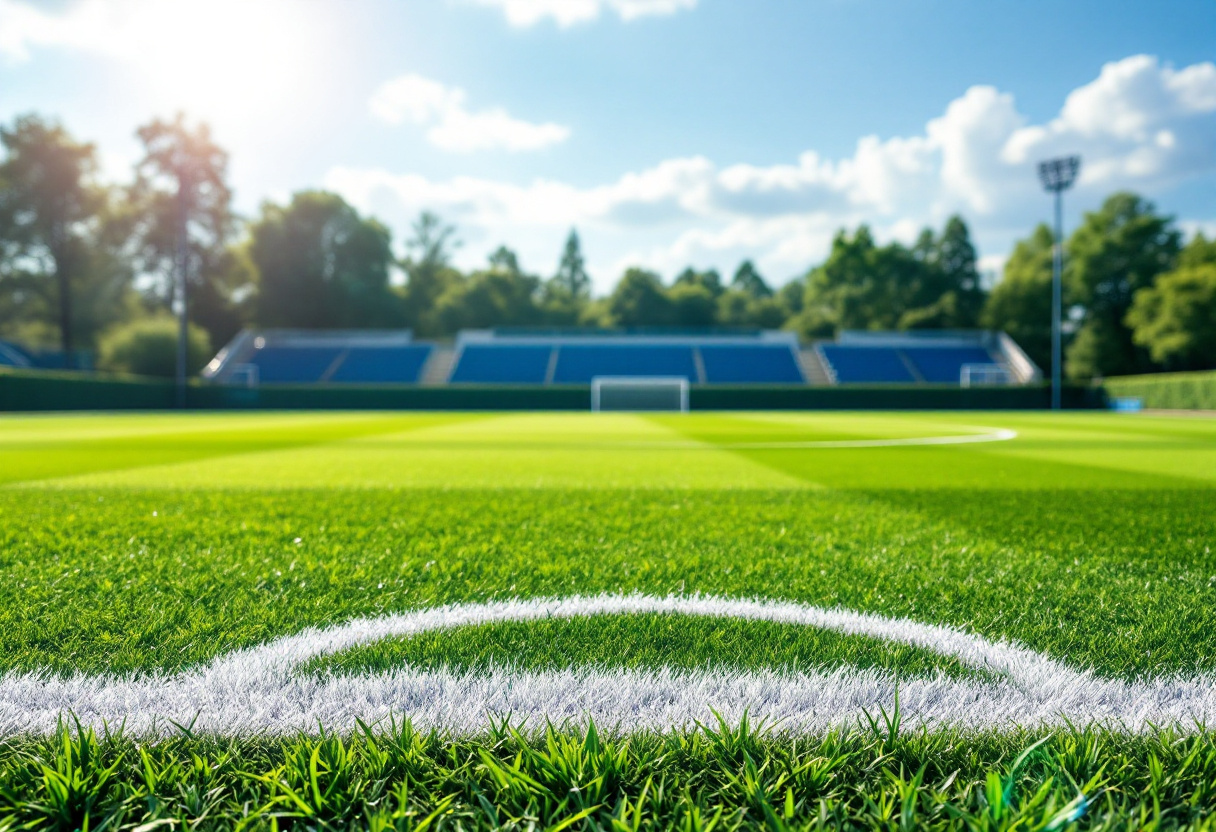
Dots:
pixel 1057 176
pixel 1057 301
pixel 183 282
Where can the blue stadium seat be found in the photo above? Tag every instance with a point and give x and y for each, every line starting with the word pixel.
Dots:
pixel 579 363
pixel 944 365
pixel 758 364
pixel 502 364
pixel 13 356
pixel 860 365
pixel 293 365
pixel 387 365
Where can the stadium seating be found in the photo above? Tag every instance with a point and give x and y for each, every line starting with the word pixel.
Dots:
pixel 576 357
pixel 382 365
pixel 944 365
pixel 502 364
pixel 579 363
pixel 293 364
pixel 862 365
pixel 748 364
pixel 13 356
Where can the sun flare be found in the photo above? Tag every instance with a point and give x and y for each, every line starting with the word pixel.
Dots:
pixel 212 58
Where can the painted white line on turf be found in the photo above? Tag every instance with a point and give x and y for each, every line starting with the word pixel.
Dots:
pixel 262 689
pixel 1000 435
pixel 990 435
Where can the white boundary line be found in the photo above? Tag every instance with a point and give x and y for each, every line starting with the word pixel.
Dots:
pixel 998 435
pixel 261 689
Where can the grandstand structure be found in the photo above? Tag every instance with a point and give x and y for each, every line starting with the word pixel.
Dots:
pixel 17 357
pixel 926 357
pixel 572 357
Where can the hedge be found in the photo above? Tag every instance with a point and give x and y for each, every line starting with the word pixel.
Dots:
pixel 1167 391
pixel 27 391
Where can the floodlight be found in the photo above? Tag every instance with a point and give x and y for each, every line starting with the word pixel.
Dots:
pixel 1057 176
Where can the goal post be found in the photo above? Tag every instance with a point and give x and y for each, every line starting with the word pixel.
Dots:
pixel 983 375
pixel 639 393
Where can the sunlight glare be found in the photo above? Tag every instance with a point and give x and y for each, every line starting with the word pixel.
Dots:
pixel 213 58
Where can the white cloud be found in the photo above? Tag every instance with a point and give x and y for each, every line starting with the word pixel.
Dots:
pixel 564 13
pixel 1138 120
pixel 977 158
pixel 421 101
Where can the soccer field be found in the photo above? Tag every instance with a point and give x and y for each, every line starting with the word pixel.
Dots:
pixel 774 619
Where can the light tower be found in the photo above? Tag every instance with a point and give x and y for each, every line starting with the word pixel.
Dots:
pixel 1057 176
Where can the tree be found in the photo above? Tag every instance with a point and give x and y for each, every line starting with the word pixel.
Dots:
pixel 749 281
pixel 182 198
pixel 148 347
pixel 693 305
pixel 571 272
pixel 49 208
pixel 1175 319
pixel 750 301
pixel 708 280
pixel 319 264
pixel 640 300
pixel 428 269
pixel 1020 305
pixel 860 286
pixel 945 293
pixel 502 295
pixel 1117 250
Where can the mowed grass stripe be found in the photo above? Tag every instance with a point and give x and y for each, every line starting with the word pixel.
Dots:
pixel 56 447
pixel 585 451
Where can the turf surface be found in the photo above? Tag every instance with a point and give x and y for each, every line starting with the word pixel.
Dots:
pixel 140 543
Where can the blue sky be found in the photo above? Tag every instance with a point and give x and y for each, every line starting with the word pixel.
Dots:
pixel 669 132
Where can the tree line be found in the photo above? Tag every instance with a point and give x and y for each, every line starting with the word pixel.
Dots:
pixel 87 265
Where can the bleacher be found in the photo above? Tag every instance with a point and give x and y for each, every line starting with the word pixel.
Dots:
pixel 502 364
pixel 576 357
pixel 571 357
pixel 921 357
pixel 12 355
pixel 331 357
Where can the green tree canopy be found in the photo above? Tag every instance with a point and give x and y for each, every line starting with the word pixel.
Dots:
pixel 1175 319
pixel 428 270
pixel 709 280
pixel 182 185
pixel 1118 250
pixel 748 280
pixel 502 295
pixel 945 293
pixel 1020 304
pixel 53 230
pixel 572 274
pixel 319 264
pixel 640 300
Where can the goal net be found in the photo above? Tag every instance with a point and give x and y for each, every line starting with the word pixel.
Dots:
pixel 644 393
pixel 983 375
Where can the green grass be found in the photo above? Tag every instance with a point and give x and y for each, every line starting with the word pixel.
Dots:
pixel 133 543
pixel 683 642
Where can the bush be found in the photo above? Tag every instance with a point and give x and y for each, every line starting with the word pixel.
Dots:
pixel 149 348
pixel 1168 391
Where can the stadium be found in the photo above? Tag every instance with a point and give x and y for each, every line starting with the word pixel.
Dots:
pixel 606 415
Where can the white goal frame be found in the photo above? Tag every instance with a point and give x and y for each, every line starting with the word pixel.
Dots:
pixel 985 375
pixel 600 382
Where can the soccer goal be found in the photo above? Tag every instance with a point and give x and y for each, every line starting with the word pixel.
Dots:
pixel 639 393
pixel 977 375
